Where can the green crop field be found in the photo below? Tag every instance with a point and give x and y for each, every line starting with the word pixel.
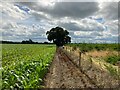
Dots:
pixel 25 65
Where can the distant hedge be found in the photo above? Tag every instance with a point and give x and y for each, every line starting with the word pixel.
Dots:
pixel 90 46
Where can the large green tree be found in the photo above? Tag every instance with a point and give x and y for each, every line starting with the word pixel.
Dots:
pixel 59 36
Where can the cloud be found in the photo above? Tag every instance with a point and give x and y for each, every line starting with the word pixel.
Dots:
pixel 92 30
pixel 112 27
pixel 83 25
pixel 23 8
pixel 22 32
pixel 65 9
pixel 86 21
pixel 10 11
pixel 73 9
pixel 109 10
pixel 17 23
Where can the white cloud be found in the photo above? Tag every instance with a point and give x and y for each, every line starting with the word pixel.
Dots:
pixel 90 22
pixel 10 11
pixel 109 10
pixel 65 9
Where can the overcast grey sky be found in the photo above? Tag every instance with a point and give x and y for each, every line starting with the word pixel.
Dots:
pixel 86 21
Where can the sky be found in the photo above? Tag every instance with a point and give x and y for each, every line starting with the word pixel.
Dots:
pixel 91 21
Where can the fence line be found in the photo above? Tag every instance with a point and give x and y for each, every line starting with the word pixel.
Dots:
pixel 88 66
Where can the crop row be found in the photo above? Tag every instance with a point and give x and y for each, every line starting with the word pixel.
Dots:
pixel 24 66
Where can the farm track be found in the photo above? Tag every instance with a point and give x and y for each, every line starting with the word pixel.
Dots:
pixel 65 74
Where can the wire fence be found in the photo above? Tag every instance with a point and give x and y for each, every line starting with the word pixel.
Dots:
pixel 78 57
pixel 94 71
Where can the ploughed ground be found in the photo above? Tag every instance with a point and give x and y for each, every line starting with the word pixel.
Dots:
pixel 63 73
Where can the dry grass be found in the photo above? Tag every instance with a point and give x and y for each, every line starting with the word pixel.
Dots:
pixel 97 68
pixel 99 54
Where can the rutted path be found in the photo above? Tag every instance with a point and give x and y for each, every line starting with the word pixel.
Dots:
pixel 64 74
pixel 53 77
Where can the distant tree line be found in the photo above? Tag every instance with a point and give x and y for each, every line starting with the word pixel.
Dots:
pixel 9 42
pixel 29 42
pixel 24 42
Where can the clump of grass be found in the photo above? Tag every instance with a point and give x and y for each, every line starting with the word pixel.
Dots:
pixel 113 71
pixel 112 59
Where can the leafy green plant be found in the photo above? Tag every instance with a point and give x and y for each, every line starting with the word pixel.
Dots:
pixel 112 59
pixel 24 66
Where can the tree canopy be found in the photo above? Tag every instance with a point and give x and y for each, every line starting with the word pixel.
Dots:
pixel 59 36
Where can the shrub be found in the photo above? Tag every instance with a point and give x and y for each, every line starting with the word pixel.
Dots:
pixel 112 59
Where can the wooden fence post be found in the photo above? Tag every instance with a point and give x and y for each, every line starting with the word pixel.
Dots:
pixel 70 50
pixel 79 58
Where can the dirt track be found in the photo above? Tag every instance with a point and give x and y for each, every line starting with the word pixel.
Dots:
pixel 64 74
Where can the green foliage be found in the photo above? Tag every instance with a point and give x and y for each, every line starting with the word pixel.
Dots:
pixel 113 71
pixel 85 47
pixel 24 66
pixel 90 46
pixel 112 59
pixel 59 36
